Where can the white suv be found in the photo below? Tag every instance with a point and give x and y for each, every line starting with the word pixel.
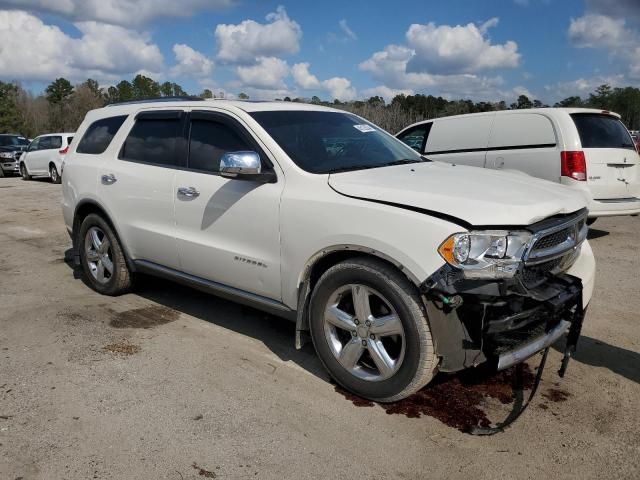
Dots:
pixel 395 266
pixel 45 155
pixel 588 150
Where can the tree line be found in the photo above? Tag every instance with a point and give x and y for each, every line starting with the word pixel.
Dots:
pixel 62 106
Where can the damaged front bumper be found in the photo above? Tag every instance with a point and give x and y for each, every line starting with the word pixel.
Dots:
pixel 501 322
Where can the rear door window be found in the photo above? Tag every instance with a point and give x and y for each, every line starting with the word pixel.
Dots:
pixel 602 131
pixel 154 139
pixel 45 143
pixel 56 142
pixel 99 135
pixel 209 140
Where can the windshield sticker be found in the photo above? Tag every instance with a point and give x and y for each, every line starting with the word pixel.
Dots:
pixel 364 128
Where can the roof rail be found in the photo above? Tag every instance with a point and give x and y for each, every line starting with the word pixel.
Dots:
pixel 185 98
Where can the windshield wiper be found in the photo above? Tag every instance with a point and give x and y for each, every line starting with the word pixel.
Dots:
pixel 404 161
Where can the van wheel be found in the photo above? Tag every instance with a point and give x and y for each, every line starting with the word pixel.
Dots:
pixel 53 174
pixel 102 258
pixel 24 172
pixel 370 329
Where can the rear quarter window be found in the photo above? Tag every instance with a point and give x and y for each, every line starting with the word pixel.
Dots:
pixel 602 131
pixel 99 135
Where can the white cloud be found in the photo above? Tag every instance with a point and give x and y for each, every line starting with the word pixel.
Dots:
pixel 600 31
pixel 248 40
pixel 32 50
pixel 385 92
pixel 460 49
pixel 347 31
pixel 582 86
pixel 615 8
pixel 446 60
pixel 118 12
pixel 267 74
pixel 190 62
pixel 336 87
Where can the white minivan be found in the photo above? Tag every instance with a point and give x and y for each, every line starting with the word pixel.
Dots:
pixel 44 156
pixel 589 150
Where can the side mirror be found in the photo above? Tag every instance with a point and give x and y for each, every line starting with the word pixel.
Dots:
pixel 244 165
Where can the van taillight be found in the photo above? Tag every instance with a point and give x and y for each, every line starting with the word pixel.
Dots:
pixel 573 165
pixel 64 150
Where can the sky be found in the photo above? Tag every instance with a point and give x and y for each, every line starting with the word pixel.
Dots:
pixel 484 50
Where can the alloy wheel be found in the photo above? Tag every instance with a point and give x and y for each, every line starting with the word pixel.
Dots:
pixel 364 332
pixel 97 248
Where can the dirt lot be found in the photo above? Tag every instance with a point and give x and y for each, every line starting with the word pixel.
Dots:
pixel 171 383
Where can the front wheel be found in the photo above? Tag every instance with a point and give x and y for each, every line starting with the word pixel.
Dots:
pixel 102 257
pixel 370 329
pixel 24 172
pixel 53 174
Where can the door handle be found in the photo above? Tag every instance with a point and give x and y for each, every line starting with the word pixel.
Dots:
pixel 189 192
pixel 109 179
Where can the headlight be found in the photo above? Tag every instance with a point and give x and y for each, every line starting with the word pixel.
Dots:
pixel 6 154
pixel 485 254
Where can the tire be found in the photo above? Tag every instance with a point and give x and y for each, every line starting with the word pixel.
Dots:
pixel 53 174
pixel 24 172
pixel 591 221
pixel 92 257
pixel 389 295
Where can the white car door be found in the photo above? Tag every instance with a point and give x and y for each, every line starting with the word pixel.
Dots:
pixel 29 157
pixel 524 142
pixel 228 230
pixel 136 184
pixel 461 140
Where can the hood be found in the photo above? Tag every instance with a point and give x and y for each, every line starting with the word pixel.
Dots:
pixel 13 148
pixel 476 196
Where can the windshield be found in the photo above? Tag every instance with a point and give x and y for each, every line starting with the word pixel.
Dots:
pixel 13 140
pixel 602 131
pixel 325 142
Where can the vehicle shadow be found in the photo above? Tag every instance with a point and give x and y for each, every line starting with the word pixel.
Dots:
pixel 601 354
pixel 596 233
pixel 277 334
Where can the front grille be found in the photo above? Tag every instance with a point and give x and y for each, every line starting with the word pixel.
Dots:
pixel 553 239
pixel 534 275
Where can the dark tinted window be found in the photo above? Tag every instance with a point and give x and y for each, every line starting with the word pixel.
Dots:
pixel 324 142
pixel 45 143
pixel 12 140
pixel 415 137
pixel 99 135
pixel 153 140
pixel 602 131
pixel 69 140
pixel 55 142
pixel 209 141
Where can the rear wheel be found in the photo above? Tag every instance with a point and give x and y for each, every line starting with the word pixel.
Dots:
pixel 24 172
pixel 369 327
pixel 53 174
pixel 102 258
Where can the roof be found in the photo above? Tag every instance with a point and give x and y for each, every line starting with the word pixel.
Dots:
pixel 247 106
pixel 546 110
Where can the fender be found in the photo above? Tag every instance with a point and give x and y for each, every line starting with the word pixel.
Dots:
pixel 76 227
pixel 304 283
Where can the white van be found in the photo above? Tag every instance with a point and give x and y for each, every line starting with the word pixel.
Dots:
pixel 586 149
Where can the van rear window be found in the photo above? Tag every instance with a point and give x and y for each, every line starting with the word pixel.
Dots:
pixel 602 131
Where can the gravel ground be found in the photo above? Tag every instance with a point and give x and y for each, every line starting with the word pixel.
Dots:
pixel 170 383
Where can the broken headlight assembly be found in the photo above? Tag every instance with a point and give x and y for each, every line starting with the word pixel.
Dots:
pixel 491 254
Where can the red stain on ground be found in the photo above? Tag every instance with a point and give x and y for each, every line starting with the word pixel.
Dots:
pixel 457 400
